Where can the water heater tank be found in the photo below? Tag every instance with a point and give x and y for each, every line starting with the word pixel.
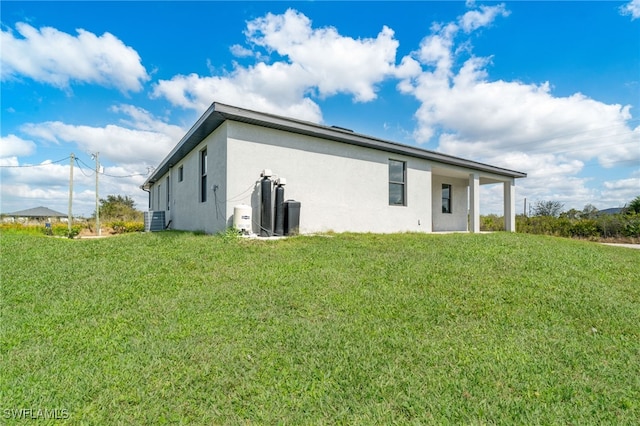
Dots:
pixel 242 218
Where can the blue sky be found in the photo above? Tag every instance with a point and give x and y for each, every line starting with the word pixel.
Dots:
pixel 548 88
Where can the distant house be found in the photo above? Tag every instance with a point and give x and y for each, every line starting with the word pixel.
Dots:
pixel 612 210
pixel 39 214
pixel 344 181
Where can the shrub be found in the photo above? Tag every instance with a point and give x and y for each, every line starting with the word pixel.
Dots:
pixel 632 226
pixel 18 228
pixel 56 229
pixel 62 230
pixel 603 226
pixel 545 225
pixel 611 225
pixel 491 223
pixel 634 206
pixel 122 227
pixel 585 228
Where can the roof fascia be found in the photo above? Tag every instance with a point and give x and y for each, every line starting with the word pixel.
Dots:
pixel 217 113
pixel 346 136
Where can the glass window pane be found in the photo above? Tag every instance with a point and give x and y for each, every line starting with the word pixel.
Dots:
pixel 446 198
pixel 396 171
pixel 203 162
pixel 396 194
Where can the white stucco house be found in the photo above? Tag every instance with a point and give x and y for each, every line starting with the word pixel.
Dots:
pixel 344 181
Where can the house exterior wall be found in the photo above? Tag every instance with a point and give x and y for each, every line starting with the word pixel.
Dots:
pixel 186 212
pixel 457 219
pixel 341 187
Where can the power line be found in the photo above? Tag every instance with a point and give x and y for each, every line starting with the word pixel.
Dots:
pixel 114 176
pixel 38 165
pixel 78 161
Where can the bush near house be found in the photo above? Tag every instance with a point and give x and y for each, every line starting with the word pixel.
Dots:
pixel 492 223
pixel 118 215
pixel 56 229
pixel 586 224
pixel 122 227
pixel 81 228
pixel 19 228
pixel 118 207
pixel 602 227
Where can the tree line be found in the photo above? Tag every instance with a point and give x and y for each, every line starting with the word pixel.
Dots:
pixel 549 218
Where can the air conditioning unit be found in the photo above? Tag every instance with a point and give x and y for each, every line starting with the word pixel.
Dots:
pixel 154 221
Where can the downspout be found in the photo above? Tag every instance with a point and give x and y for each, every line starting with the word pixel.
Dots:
pixel 148 192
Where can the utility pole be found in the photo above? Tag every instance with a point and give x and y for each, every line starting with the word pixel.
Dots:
pixel 70 216
pixel 98 230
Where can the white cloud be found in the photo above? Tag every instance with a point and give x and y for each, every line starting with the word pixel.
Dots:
pixel 262 87
pixel 46 173
pixel 127 151
pixel 53 57
pixel 12 145
pixel 141 119
pixel 632 8
pixel 315 62
pixel 142 139
pixel 511 124
pixel 332 63
pixel 30 185
pixel 475 19
pixel 632 184
pixel 617 193
pixel 240 51
pixel 47 183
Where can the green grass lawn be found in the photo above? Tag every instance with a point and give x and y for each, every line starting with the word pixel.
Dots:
pixel 173 327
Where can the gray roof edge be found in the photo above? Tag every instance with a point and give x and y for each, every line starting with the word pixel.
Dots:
pixel 168 161
pixel 228 112
pixel 39 211
pixel 347 136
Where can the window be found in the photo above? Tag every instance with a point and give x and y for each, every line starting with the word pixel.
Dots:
pixel 168 193
pixel 397 180
pixel 203 175
pixel 158 197
pixel 446 198
pixel 180 173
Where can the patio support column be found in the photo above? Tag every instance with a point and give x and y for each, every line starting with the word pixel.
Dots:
pixel 510 205
pixel 474 202
pixel 428 217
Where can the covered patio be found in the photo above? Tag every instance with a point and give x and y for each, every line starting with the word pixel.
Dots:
pixel 465 209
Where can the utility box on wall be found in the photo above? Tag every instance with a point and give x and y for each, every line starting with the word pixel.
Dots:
pixel 291 217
